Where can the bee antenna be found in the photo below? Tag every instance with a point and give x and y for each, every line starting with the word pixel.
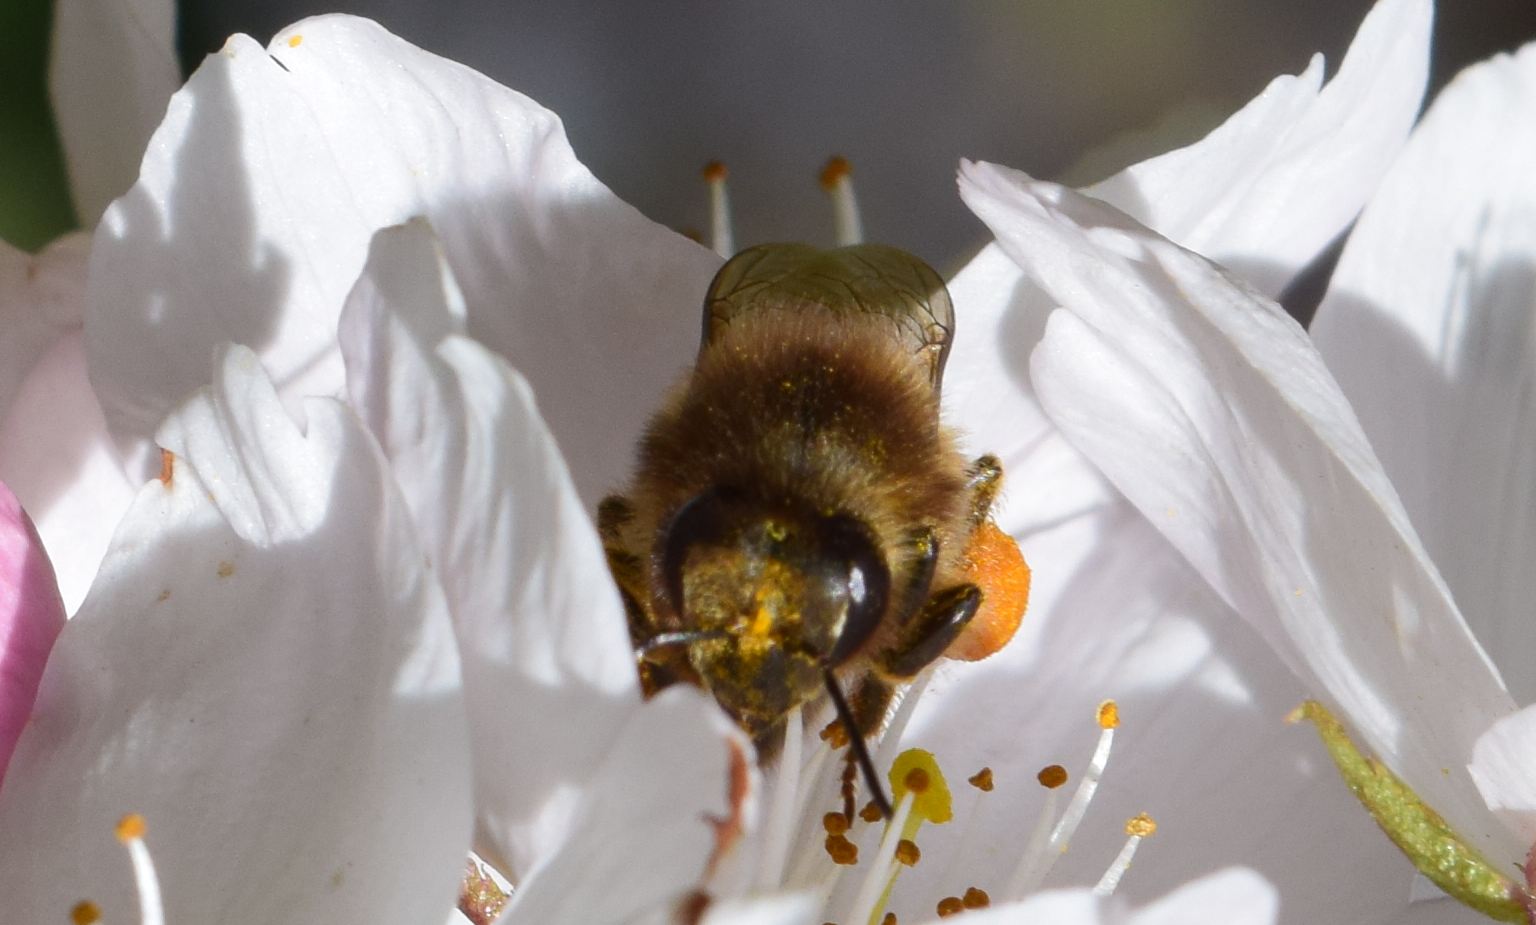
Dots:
pixel 860 750
pixel 668 640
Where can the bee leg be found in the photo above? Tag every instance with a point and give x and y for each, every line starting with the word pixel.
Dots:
pixel 926 544
pixel 984 478
pixel 927 636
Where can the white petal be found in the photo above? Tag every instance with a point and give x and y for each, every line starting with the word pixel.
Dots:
pixel 783 909
pixel 343 129
pixel 1501 768
pixel 1236 896
pixel 1273 185
pixel 112 68
pixel 1210 410
pixel 41 298
pixel 56 454
pixel 1429 330
pixel 539 621
pixel 644 832
pixel 1119 614
pixel 266 672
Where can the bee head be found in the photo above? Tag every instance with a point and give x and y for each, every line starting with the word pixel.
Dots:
pixel 778 594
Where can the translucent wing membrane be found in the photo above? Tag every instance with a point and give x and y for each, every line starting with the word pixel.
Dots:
pixel 869 280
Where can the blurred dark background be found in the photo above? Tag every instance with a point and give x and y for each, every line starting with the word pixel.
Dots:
pixel 1066 90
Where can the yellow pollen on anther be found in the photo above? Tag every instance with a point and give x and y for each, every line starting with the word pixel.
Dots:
pixel 837 168
pixel 295 41
pixel 917 772
pixel 907 852
pixel 130 827
pixel 1142 825
pixel 1109 715
pixel 835 823
pixel 1052 776
pixel 85 913
pixel 981 780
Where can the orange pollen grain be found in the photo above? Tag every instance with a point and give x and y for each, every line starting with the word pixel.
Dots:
pixel 907 853
pixel 130 827
pixel 982 780
pixel 1109 715
pixel 916 780
pixel 714 171
pixel 1141 825
pixel 871 812
pixel 835 823
pixel 295 41
pixel 976 899
pixel 1052 776
pixel 836 170
pixel 841 850
pixel 950 905
pixel 85 913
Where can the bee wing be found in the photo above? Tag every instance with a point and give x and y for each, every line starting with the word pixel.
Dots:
pixel 868 280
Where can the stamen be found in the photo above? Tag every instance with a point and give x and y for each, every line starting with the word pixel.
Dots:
pixel 1034 867
pixel 781 822
pixel 1136 828
pixel 922 795
pixel 130 831
pixel 85 912
pixel 847 227
pixel 722 239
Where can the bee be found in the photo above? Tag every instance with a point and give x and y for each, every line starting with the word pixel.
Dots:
pixel 798 512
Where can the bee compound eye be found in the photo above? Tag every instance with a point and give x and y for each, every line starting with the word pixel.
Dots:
pixel 701 521
pixel 862 574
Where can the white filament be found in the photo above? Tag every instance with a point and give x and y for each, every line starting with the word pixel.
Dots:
pixel 1037 864
pixel 722 237
pixel 883 865
pixel 1122 863
pixel 847 226
pixel 151 909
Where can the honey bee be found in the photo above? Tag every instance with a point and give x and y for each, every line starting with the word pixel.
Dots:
pixel 798 512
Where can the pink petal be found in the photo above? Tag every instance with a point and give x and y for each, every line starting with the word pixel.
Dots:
pixel 31 614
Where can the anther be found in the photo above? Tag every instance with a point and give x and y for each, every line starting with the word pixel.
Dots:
pixel 722 238
pixel 907 852
pixel 85 913
pixel 1136 828
pixel 950 905
pixel 975 898
pixel 835 823
pixel 848 228
pixel 981 780
pixel 130 831
pixel 841 850
pixel 1040 857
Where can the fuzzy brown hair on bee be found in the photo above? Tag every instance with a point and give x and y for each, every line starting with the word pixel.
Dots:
pixel 798 512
